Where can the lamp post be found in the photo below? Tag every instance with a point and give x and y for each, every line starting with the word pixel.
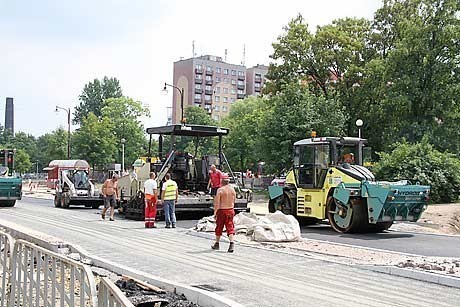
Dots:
pixel 181 91
pixel 359 124
pixel 123 141
pixel 36 162
pixel 68 128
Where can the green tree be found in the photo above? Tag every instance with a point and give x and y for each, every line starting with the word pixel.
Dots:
pixel 124 114
pixel 93 96
pixel 22 162
pixel 291 116
pixel 243 145
pixel 95 141
pixel 422 163
pixel 26 142
pixel 51 146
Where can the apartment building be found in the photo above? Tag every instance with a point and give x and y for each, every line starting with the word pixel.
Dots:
pixel 255 78
pixel 208 83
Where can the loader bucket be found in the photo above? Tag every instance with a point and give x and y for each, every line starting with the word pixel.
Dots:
pixel 394 201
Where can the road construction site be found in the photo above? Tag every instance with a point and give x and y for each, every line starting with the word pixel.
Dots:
pixel 311 271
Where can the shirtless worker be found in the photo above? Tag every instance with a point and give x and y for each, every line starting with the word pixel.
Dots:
pixel 110 193
pixel 215 177
pixel 224 202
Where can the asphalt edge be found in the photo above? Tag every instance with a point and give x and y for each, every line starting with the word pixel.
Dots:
pixel 198 296
pixel 390 270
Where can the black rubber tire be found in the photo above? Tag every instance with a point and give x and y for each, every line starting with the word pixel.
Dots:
pixel 65 200
pixel 57 200
pixel 286 204
pixel 379 227
pixel 358 217
pixel 7 203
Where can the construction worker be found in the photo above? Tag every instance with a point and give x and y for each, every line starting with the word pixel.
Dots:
pixel 215 178
pixel 151 195
pixel 224 202
pixel 169 196
pixel 110 193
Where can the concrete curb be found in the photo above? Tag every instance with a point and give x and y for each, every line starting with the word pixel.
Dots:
pixel 390 270
pixel 198 296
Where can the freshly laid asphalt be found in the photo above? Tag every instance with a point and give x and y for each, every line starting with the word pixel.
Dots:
pixel 250 276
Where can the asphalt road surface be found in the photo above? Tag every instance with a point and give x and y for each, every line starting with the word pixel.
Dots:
pixel 250 276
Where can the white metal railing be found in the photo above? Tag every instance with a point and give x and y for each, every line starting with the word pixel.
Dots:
pixel 109 295
pixel 43 278
pixel 6 248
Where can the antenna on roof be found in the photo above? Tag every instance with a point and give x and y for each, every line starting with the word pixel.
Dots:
pixel 193 49
pixel 225 58
pixel 243 61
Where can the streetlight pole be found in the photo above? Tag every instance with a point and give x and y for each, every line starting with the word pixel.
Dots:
pixel 68 128
pixel 36 162
pixel 181 91
pixel 359 124
pixel 123 141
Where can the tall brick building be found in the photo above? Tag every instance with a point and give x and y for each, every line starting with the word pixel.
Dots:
pixel 212 84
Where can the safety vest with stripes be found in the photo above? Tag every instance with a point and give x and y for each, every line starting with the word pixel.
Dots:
pixel 170 190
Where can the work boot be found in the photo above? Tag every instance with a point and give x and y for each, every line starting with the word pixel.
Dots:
pixel 231 247
pixel 173 225
pixel 103 216
pixel 215 246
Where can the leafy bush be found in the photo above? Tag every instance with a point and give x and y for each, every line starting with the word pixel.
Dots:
pixel 422 163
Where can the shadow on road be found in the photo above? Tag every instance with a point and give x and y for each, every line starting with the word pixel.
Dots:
pixel 327 231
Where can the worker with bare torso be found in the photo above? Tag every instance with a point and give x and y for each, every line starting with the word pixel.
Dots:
pixel 110 193
pixel 224 202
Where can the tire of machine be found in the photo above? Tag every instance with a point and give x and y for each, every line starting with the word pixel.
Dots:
pixel 65 200
pixel 57 200
pixel 7 203
pixel 288 207
pixel 358 220
pixel 380 227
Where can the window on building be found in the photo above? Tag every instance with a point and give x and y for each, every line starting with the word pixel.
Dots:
pixel 208 78
pixel 217 108
pixel 225 90
pixel 216 98
pixel 198 105
pixel 224 109
pixel 216 117
pixel 233 72
pixel 217 79
pixel 240 82
pixel 218 90
pixel 233 91
pixel 257 85
pixel 198 86
pixel 198 66
pixel 225 99
pixel 240 73
pixel 218 70
pixel 208 68
pixel 198 77
pixel 208 88
pixel 241 92
pixel 207 97
pixel 197 96
pixel 225 71
pixel 232 100
pixel 233 82
pixel 225 80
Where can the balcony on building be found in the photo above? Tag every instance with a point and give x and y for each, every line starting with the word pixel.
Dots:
pixel 198 81
pixel 208 92
pixel 240 96
pixel 208 82
pixel 208 102
pixel 197 100
pixel 209 72
pixel 258 79
pixel 240 86
pixel 198 70
pixel 257 89
pixel 198 91
pixel 241 77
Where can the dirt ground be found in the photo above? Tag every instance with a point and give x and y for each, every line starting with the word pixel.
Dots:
pixel 441 219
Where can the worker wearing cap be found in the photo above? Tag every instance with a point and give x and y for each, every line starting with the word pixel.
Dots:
pixel 215 179
pixel 224 202
pixel 151 194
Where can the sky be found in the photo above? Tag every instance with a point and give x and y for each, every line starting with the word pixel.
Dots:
pixel 49 49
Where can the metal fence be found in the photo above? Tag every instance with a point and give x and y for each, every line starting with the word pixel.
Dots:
pixel 6 248
pixel 44 278
pixel 109 295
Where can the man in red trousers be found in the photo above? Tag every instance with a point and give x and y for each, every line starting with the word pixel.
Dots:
pixel 151 195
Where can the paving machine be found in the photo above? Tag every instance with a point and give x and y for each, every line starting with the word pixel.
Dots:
pixel 72 183
pixel 189 171
pixel 328 181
